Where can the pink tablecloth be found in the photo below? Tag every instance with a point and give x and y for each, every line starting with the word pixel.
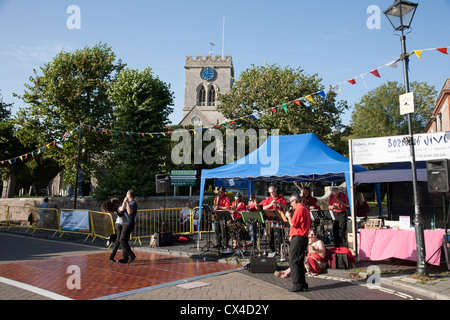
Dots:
pixel 383 244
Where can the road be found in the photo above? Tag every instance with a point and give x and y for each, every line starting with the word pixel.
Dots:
pixel 36 269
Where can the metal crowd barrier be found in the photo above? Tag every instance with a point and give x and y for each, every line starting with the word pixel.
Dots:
pixel 44 219
pixel 101 224
pixel 150 221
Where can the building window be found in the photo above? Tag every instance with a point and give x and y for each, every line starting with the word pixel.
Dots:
pixel 201 96
pixel 211 96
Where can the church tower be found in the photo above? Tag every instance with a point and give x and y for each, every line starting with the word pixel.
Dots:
pixel 204 79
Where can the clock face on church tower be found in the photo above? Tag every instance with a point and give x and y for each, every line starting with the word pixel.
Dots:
pixel 207 73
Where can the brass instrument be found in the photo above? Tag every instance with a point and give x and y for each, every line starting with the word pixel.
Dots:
pixel 284 251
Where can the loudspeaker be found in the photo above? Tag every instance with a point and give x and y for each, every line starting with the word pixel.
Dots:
pixel 263 265
pixel 438 176
pixel 162 183
pixel 163 239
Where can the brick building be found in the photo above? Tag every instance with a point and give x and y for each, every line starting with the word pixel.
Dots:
pixel 440 120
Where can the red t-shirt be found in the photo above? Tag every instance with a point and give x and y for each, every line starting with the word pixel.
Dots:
pixel 338 202
pixel 300 221
pixel 269 200
pixel 238 207
pixel 224 202
pixel 265 202
pixel 362 209
pixel 309 201
pixel 252 207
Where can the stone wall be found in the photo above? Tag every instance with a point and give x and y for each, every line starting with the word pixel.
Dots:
pixel 86 203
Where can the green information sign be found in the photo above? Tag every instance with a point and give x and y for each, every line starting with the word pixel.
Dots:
pixel 183 178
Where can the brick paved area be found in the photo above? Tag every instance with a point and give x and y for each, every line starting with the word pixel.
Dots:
pixel 35 254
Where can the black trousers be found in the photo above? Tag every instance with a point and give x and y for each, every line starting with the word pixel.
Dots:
pixel 116 244
pixel 123 236
pixel 297 254
pixel 220 229
pixel 340 229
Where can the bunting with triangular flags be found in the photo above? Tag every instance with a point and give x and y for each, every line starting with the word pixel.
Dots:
pixel 310 97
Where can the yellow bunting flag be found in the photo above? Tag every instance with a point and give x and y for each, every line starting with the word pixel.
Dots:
pixel 309 98
pixel 418 53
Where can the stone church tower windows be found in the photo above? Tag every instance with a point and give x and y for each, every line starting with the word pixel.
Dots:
pixel 205 78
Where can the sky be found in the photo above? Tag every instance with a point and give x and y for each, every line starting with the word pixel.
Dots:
pixel 338 40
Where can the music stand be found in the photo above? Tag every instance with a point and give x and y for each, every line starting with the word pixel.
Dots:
pixel 275 216
pixel 251 217
pixel 236 228
pixel 328 215
pixel 207 247
pixel 272 215
pixel 224 215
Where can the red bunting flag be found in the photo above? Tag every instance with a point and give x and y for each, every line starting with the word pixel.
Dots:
pixel 54 143
pixel 352 81
pixel 273 110
pixel 297 102
pixel 443 50
pixel 375 73
pixel 143 134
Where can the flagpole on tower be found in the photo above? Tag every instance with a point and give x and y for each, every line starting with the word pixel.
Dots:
pixel 223 37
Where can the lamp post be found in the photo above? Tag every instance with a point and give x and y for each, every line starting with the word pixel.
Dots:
pixel 400 15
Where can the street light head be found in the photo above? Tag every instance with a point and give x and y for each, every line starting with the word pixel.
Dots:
pixel 400 14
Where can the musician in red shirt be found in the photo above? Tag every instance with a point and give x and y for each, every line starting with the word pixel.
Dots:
pixel 338 203
pixel 300 223
pixel 221 202
pixel 307 199
pixel 362 207
pixel 236 207
pixel 275 201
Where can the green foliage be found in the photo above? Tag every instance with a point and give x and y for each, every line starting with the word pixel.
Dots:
pixel 142 104
pixel 270 86
pixel 378 112
pixel 34 171
pixel 70 90
pixel 9 144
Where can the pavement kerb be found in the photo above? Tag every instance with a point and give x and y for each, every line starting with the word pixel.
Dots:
pixel 394 281
pixel 397 282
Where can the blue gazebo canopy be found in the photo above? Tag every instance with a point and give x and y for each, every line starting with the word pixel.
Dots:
pixel 291 158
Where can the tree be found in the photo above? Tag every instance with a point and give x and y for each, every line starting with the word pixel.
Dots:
pixel 9 147
pixel 142 104
pixel 71 90
pixel 378 112
pixel 15 171
pixel 270 86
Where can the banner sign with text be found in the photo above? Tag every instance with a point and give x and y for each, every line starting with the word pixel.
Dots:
pixel 183 178
pixel 428 146
pixel 75 220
